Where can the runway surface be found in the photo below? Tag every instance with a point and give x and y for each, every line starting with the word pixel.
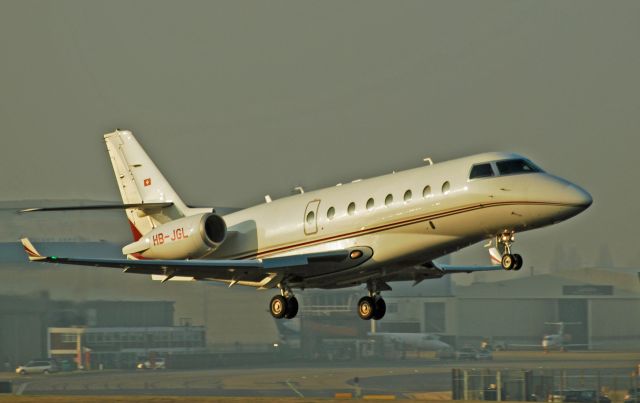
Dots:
pixel 401 379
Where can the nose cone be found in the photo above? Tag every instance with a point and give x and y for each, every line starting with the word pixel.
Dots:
pixel 576 197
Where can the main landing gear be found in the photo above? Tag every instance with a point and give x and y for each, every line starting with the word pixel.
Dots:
pixel 284 305
pixel 509 261
pixel 373 306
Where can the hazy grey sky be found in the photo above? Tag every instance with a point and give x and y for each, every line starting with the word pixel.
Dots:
pixel 237 99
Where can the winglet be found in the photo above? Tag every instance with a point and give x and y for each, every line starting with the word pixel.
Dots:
pixel 31 251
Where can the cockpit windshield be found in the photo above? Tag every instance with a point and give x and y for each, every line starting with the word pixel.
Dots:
pixel 518 166
pixel 481 171
pixel 501 168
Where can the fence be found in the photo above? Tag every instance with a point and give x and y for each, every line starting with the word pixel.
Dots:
pixel 551 385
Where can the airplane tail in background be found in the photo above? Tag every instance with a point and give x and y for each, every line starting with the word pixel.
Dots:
pixel 495 256
pixel 140 182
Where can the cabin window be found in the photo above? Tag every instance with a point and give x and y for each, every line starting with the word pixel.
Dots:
pixel 407 196
pixel 370 204
pixel 331 213
pixel 388 200
pixel 446 187
pixel 352 208
pixel 517 166
pixel 481 171
pixel 311 216
pixel 426 192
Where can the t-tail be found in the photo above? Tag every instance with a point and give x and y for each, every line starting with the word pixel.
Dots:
pixel 142 186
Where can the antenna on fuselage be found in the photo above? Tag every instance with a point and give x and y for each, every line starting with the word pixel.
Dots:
pixel 428 160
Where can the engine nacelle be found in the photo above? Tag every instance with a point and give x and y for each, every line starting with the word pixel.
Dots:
pixel 186 238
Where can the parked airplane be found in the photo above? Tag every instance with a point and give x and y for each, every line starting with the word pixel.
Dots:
pixel 375 231
pixel 558 341
pixel 418 341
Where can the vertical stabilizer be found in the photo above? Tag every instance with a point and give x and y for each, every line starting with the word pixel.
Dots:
pixel 140 181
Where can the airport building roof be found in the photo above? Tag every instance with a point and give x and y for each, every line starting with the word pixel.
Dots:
pixel 579 283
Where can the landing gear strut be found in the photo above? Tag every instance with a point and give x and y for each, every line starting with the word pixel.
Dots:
pixel 509 261
pixel 372 306
pixel 284 305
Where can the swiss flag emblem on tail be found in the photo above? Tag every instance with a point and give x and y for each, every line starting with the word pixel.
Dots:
pixel 147 182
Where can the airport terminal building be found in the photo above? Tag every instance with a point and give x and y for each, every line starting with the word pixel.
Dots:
pixel 516 310
pixel 513 311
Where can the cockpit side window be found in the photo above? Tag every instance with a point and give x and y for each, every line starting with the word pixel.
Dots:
pixel 481 171
pixel 518 166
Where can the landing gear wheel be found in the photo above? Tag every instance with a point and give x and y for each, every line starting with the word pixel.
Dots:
pixel 278 306
pixel 518 262
pixel 508 261
pixel 380 309
pixel 366 308
pixel 292 308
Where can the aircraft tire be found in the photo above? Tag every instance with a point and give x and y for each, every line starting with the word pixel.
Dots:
pixel 366 308
pixel 508 262
pixel 292 308
pixel 518 262
pixel 278 306
pixel 380 308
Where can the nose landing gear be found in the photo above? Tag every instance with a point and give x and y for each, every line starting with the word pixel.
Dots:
pixel 509 261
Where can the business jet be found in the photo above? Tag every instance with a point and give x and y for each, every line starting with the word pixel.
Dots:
pixel 418 341
pixel 374 231
pixel 560 339
pixel 554 341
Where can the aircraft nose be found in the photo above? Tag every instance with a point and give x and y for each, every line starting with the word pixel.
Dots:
pixel 577 197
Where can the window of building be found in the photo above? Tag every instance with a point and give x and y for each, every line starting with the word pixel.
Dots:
pixel 370 204
pixel 407 195
pixel 446 187
pixel 351 209
pixel 426 192
pixel 481 171
pixel 331 213
pixel 388 200
pixel 69 337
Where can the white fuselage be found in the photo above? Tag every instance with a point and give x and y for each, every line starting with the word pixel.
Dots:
pixel 551 341
pixel 419 341
pixel 431 211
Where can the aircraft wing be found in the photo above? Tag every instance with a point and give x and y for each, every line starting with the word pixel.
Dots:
pixel 449 269
pixel 431 270
pixel 265 273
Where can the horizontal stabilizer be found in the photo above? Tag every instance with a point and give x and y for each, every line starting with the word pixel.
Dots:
pixel 142 206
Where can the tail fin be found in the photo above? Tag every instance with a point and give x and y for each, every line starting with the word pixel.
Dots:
pixel 140 181
pixel 32 252
pixel 496 257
